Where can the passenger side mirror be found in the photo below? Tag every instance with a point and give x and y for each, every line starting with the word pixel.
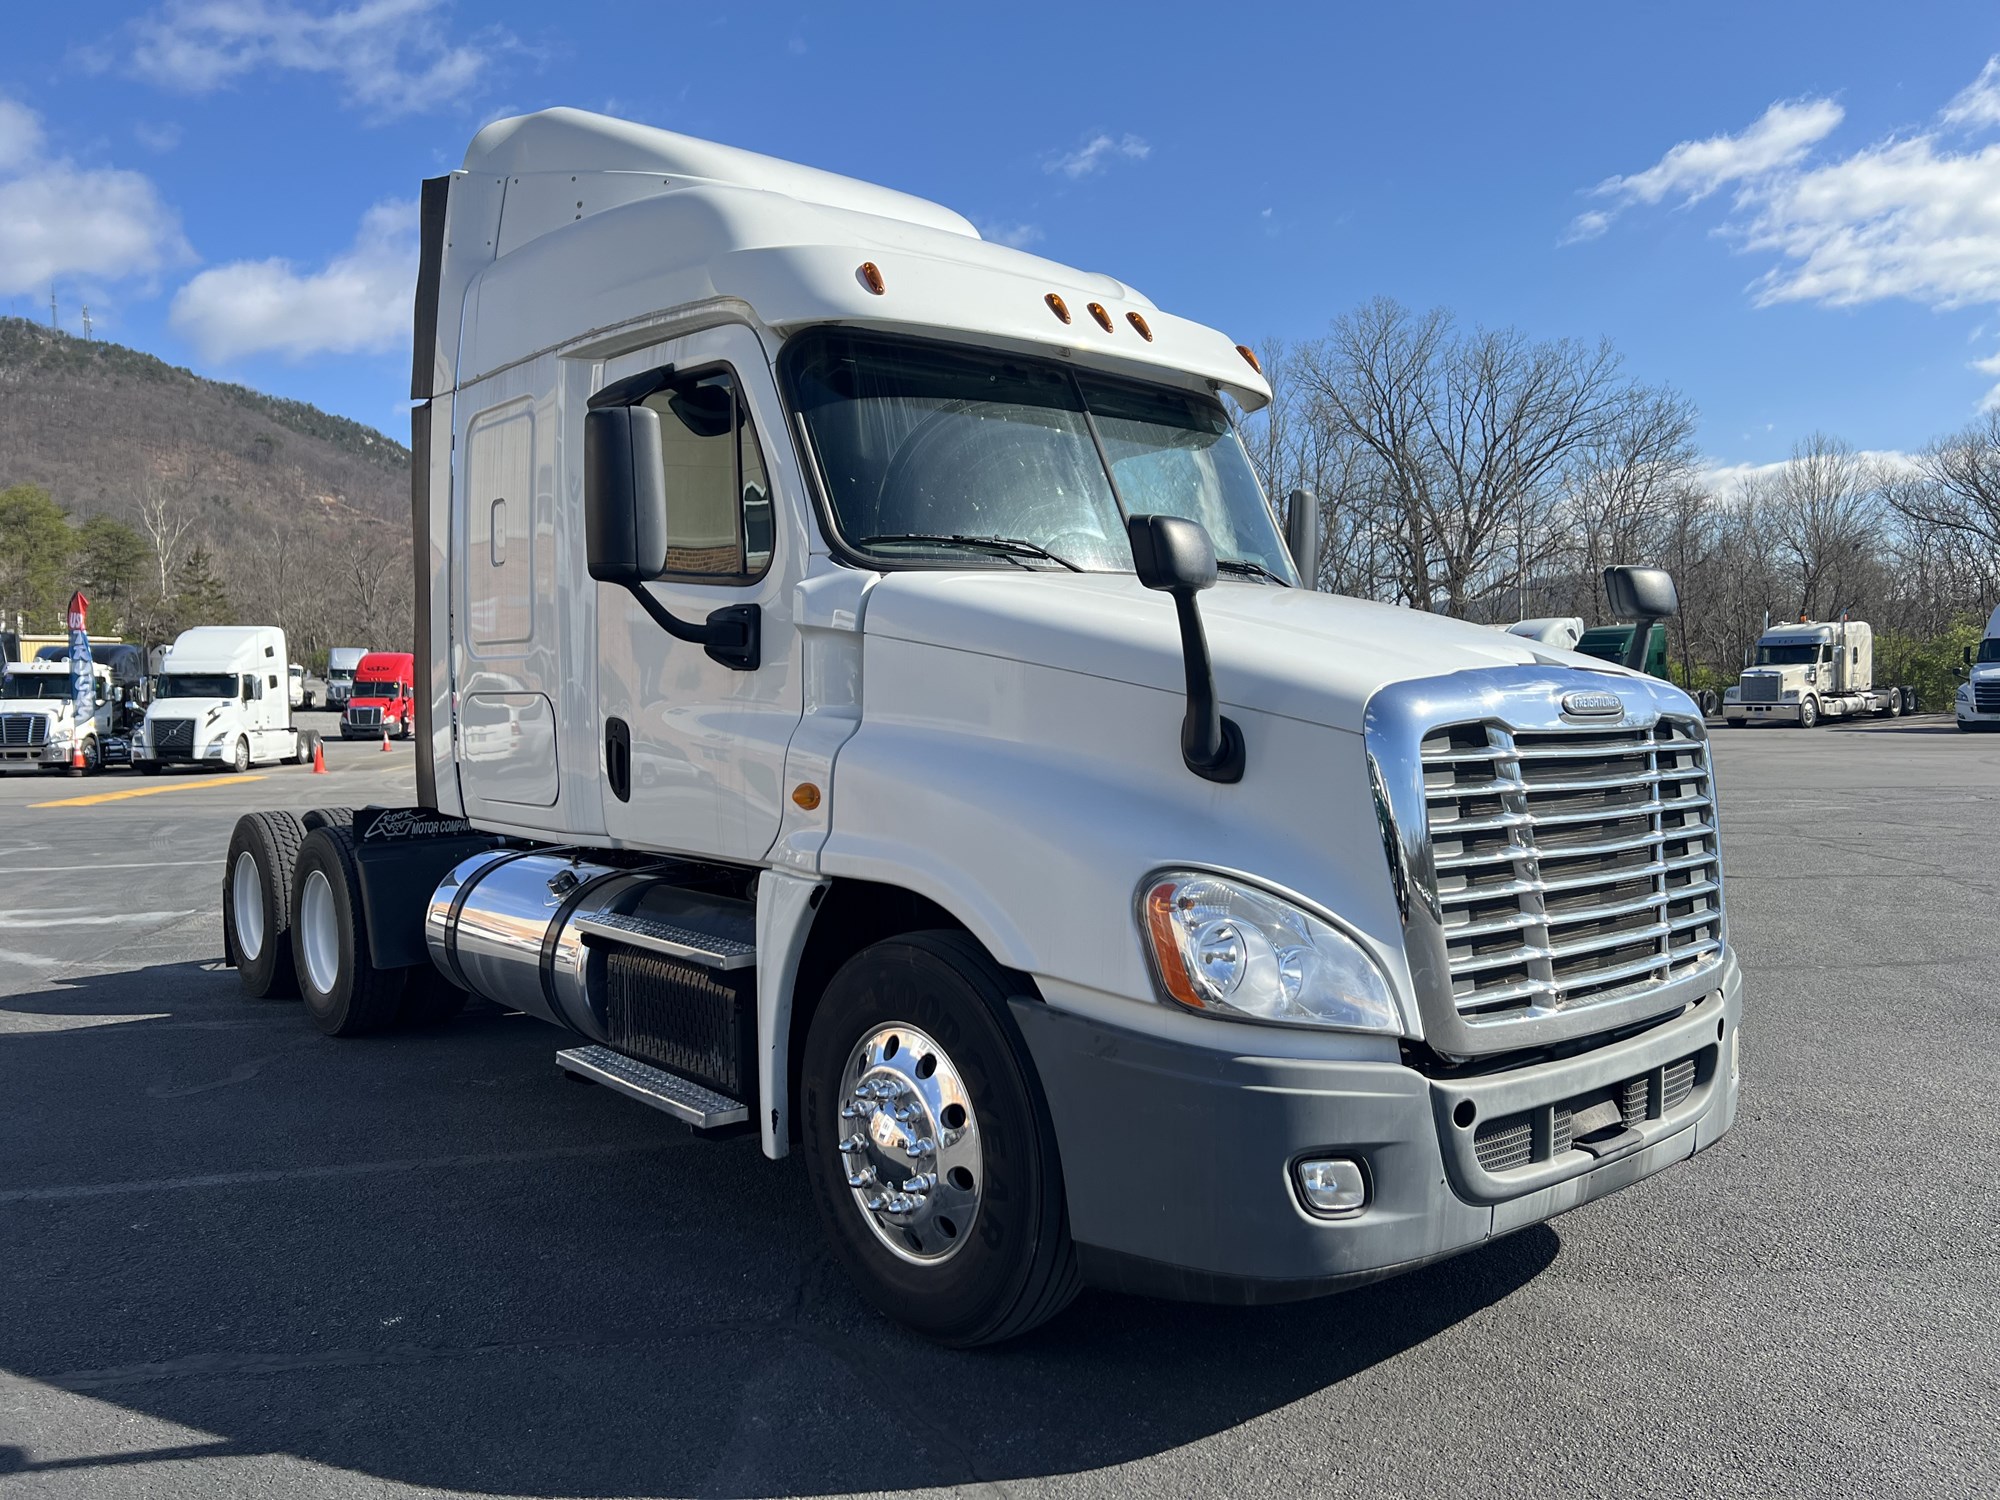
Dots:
pixel 1645 596
pixel 1302 535
pixel 1176 557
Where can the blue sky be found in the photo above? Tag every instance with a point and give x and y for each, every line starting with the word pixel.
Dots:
pixel 1789 211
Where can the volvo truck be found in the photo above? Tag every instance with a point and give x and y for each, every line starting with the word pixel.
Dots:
pixel 1805 673
pixel 865 701
pixel 221 702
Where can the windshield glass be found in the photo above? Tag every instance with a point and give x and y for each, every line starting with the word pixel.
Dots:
pixel 1989 649
pixel 920 444
pixel 377 687
pixel 35 685
pixel 1789 653
pixel 196 685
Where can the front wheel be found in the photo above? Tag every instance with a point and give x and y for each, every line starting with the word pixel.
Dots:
pixel 1809 713
pixel 929 1147
pixel 239 758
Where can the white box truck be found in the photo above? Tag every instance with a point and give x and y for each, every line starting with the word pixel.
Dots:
pixel 222 701
pixel 1976 705
pixel 1805 673
pixel 866 701
pixel 39 726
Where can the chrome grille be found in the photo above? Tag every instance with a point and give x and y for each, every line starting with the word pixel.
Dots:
pixel 364 718
pixel 1571 866
pixel 173 737
pixel 24 730
pixel 1762 687
pixel 1986 697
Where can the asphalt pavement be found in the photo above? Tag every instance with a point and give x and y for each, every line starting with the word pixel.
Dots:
pixel 238 1258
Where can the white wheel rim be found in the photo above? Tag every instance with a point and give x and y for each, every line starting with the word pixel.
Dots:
pixel 246 901
pixel 319 932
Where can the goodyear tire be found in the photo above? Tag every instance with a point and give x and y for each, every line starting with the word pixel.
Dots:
pixel 345 994
pixel 257 902
pixel 1002 1262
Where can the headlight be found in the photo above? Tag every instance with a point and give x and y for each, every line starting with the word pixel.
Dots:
pixel 1229 949
pixel 1791 695
pixel 1964 691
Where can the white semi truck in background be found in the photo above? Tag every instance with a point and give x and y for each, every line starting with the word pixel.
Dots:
pixel 902 735
pixel 1977 702
pixel 223 701
pixel 39 724
pixel 340 664
pixel 1803 673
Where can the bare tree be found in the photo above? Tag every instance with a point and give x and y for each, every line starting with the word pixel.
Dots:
pixel 167 512
pixel 1823 516
pixel 1956 488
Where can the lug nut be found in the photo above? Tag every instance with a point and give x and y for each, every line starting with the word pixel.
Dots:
pixel 924 1147
pixel 853 1144
pixel 922 1183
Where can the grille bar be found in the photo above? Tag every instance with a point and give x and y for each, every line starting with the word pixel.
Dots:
pixel 18 731
pixel 1570 866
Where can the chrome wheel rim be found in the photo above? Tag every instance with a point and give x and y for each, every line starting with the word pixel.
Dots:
pixel 319 932
pixel 246 902
pixel 242 755
pixel 909 1145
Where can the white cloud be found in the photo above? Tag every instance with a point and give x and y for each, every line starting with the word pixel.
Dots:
pixel 1018 236
pixel 62 221
pixel 358 304
pixel 392 57
pixel 157 138
pixel 1978 103
pixel 20 135
pixel 1097 153
pixel 1914 217
pixel 1729 480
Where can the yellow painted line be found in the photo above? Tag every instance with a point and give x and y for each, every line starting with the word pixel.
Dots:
pixel 146 791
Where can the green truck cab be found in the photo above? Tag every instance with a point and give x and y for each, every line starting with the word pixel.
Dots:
pixel 1610 642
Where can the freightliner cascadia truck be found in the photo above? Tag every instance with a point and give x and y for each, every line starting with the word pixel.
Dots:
pixel 865 700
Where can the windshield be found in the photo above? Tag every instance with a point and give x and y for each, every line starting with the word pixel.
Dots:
pixel 1789 653
pixel 35 685
pixel 196 685
pixel 1989 649
pixel 377 687
pixel 926 449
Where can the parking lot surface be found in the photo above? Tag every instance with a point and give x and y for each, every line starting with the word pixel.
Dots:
pixel 242 1259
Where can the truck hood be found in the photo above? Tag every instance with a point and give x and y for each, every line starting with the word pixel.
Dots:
pixel 1309 656
pixel 204 711
pixel 47 708
pixel 1985 671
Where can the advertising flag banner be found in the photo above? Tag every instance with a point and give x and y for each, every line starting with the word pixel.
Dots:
pixel 82 689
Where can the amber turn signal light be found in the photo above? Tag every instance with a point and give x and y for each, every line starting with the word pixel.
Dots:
pixel 806 795
pixel 871 277
pixel 1103 318
pixel 1249 357
pixel 1145 329
pixel 1166 945
pixel 1057 306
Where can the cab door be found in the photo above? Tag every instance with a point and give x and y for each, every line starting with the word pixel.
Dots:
pixel 692 750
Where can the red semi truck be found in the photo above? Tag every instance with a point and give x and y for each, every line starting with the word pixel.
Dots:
pixel 383 701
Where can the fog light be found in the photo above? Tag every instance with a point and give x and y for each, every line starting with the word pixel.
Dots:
pixel 1335 1187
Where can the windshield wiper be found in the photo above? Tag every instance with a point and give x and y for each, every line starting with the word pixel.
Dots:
pixel 1243 567
pixel 1006 546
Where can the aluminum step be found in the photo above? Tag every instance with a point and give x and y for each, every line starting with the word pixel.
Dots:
pixel 670 1093
pixel 710 950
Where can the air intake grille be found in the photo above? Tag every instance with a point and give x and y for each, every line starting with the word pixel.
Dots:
pixel 369 718
pixel 1510 1143
pixel 1572 866
pixel 1761 687
pixel 1986 697
pixel 173 737
pixel 24 730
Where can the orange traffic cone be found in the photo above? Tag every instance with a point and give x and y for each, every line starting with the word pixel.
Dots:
pixel 77 765
pixel 319 758
pixel 385 742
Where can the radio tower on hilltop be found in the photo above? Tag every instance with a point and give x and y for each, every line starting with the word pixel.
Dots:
pixel 52 306
pixel 86 320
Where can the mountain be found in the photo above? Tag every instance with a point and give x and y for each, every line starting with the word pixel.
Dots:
pixel 304 515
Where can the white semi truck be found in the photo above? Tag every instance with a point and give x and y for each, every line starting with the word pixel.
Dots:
pixel 222 701
pixel 1977 702
pixel 1803 673
pixel 39 724
pixel 866 702
pixel 340 664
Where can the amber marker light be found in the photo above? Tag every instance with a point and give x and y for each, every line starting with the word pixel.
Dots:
pixel 1166 945
pixel 806 795
pixel 1103 318
pixel 871 277
pixel 1057 306
pixel 1249 357
pixel 1145 329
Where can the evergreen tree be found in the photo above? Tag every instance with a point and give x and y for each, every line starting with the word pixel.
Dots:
pixel 199 597
pixel 35 545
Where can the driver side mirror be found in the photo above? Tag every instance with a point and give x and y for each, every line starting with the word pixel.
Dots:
pixel 1175 556
pixel 624 495
pixel 1645 596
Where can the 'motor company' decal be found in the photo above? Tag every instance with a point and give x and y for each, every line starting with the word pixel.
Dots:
pixel 378 825
pixel 1592 705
